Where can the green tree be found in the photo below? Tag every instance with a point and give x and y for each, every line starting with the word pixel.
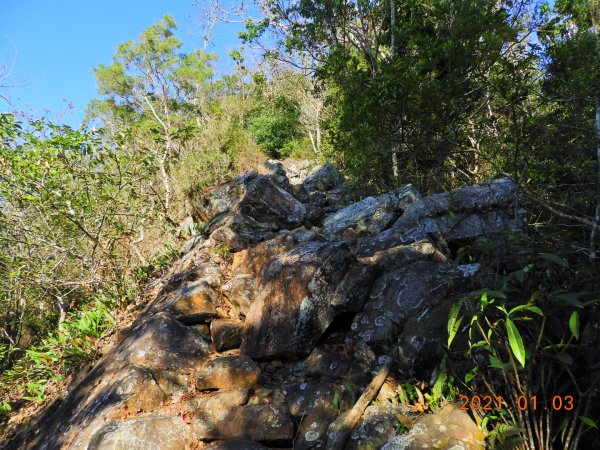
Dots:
pixel 570 36
pixel 410 82
pixel 154 96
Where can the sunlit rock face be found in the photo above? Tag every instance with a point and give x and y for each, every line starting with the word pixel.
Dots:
pixel 272 322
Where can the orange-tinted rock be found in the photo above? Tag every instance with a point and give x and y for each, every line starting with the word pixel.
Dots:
pixel 226 334
pixel 228 373
pixel 152 431
pixel 264 423
pixel 292 307
pixel 194 303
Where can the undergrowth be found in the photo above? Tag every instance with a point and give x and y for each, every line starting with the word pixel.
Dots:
pixel 525 350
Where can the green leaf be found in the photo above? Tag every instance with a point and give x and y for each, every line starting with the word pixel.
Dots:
pixel 553 258
pixel 497 364
pixel 574 324
pixel 516 341
pixel 589 422
pixel 454 321
pixel 530 308
pixel 497 294
pixel 471 374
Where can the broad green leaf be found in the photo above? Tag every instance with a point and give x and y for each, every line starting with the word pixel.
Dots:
pixel 497 364
pixel 574 324
pixel 589 422
pixel 553 258
pixel 530 308
pixel 454 330
pixel 516 341
pixel 454 321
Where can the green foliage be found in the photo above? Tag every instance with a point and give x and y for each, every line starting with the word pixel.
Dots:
pixel 276 126
pixel 531 327
pixel 53 359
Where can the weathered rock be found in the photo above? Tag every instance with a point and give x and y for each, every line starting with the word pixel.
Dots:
pixel 262 423
pixel 402 255
pixel 323 363
pixel 221 199
pixel 220 402
pixel 297 170
pixel 292 307
pixel 238 231
pixel 376 426
pixel 312 432
pixel 323 178
pixel 466 213
pixel 447 428
pixel 426 230
pixel 139 387
pixel 195 302
pixel 226 238
pixel 141 433
pixel 257 197
pixel 235 445
pixel 401 295
pixel 303 397
pixel 276 172
pixel 353 291
pixel 266 202
pixel 164 343
pixel 371 215
pixel 226 334
pixel 251 261
pixel 422 340
pixel 240 293
pixel 228 373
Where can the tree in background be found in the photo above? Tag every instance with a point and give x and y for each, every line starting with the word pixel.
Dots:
pixel 155 96
pixel 570 118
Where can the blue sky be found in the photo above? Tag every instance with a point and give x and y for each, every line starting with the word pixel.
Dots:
pixel 57 43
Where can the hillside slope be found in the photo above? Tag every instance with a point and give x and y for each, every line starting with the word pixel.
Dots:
pixel 277 319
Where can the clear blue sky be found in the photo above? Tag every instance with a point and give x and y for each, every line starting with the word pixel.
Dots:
pixel 59 42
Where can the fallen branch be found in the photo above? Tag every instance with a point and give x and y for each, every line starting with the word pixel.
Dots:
pixel 345 424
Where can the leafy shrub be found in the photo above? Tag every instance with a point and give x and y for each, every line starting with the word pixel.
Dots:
pixel 532 341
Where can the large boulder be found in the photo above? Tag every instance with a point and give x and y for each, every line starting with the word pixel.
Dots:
pixel 194 302
pixel 371 215
pixel 141 433
pixel 466 213
pixel 263 423
pixel 462 214
pixel 293 304
pixel 258 198
pixel 323 178
pixel 403 294
pixel 445 429
pixel 297 170
pixel 228 373
pixel 164 343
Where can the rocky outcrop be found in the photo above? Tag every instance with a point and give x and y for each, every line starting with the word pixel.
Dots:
pixel 270 325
